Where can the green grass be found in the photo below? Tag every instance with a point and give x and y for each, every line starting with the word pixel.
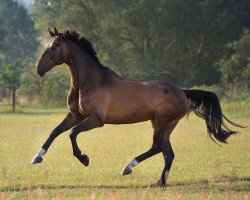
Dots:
pixel 201 169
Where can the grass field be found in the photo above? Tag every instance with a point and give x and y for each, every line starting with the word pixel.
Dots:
pixel 201 169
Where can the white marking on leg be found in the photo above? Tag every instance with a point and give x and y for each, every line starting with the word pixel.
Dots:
pixel 133 163
pixel 41 152
pixel 128 168
pixel 38 155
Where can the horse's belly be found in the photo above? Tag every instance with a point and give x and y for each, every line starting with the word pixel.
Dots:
pixel 127 117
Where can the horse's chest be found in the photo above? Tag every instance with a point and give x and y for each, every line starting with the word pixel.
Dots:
pixel 77 103
pixel 84 106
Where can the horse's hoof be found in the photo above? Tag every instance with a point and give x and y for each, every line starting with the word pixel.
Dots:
pixel 84 159
pixel 157 185
pixel 126 171
pixel 37 160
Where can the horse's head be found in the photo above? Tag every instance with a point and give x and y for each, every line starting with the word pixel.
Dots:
pixel 54 54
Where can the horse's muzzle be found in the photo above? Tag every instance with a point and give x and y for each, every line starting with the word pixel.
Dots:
pixel 40 72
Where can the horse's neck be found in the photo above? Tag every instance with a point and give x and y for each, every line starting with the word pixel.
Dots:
pixel 84 72
pixel 73 76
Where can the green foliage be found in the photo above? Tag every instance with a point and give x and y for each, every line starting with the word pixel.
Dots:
pixel 183 42
pixel 17 45
pixel 30 85
pixel 235 68
pixel 175 41
pixel 18 41
pixel 9 80
pixel 52 89
pixel 55 88
pixel 8 77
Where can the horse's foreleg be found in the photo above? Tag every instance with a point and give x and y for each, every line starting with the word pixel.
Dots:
pixel 68 122
pixel 89 123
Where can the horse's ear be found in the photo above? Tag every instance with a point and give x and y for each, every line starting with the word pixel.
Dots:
pixel 56 32
pixel 51 33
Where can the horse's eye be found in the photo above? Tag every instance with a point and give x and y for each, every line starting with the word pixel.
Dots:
pixel 53 47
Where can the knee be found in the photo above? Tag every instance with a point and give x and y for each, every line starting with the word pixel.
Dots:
pixel 170 156
pixel 157 148
pixel 57 131
pixel 73 134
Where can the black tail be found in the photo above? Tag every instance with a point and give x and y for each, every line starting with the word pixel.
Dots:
pixel 206 105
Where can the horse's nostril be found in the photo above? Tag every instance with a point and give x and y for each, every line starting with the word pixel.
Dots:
pixel 37 70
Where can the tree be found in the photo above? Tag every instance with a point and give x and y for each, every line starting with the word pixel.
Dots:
pixel 235 67
pixel 18 44
pixel 10 80
pixel 52 89
pixel 179 41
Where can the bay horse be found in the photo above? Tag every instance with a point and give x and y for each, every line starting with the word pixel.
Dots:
pixel 100 96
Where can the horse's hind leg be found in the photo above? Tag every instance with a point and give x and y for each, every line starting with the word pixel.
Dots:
pixel 168 155
pixel 155 149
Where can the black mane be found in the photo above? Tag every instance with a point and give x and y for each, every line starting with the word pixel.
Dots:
pixel 82 42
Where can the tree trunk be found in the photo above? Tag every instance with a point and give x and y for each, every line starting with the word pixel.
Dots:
pixel 13 98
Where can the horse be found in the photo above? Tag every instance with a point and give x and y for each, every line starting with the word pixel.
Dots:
pixel 100 96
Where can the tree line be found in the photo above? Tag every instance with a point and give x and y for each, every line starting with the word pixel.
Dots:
pixel 186 42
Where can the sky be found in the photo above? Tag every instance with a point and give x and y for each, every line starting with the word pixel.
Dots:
pixel 26 3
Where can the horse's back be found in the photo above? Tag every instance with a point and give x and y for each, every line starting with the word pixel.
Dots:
pixel 133 101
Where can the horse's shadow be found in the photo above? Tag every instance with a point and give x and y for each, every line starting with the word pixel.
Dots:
pixel 199 184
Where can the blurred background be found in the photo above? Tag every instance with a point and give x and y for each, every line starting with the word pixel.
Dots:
pixel 194 44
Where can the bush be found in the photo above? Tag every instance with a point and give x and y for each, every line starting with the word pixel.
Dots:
pixel 50 90
pixel 235 69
